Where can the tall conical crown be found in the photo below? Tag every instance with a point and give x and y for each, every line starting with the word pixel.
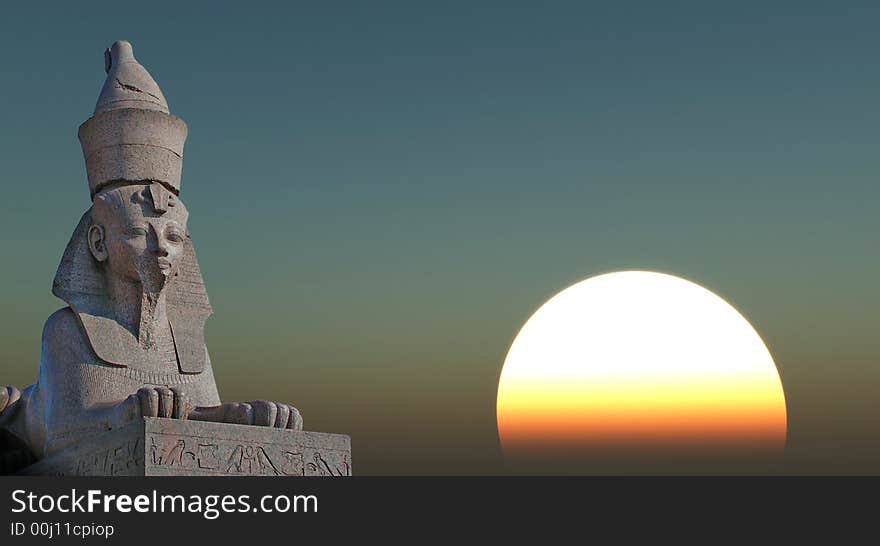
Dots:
pixel 131 137
pixel 128 84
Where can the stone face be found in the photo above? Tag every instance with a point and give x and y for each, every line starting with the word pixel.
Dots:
pixel 170 447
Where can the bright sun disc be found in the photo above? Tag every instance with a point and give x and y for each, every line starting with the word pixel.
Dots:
pixel 636 359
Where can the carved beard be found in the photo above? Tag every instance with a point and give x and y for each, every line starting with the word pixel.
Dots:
pixel 153 278
pixel 153 281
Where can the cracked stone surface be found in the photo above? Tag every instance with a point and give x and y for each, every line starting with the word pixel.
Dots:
pixel 128 84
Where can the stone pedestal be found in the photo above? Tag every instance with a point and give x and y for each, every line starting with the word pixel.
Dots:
pixel 170 447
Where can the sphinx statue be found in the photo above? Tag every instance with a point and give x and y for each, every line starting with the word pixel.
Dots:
pixel 130 343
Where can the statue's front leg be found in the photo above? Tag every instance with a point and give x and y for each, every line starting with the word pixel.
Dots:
pixel 168 402
pixel 259 413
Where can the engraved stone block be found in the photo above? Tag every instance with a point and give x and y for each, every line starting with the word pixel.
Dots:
pixel 171 447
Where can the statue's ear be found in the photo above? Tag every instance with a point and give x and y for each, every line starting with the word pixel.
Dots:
pixel 97 243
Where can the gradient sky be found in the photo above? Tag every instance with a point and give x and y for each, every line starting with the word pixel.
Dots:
pixel 382 193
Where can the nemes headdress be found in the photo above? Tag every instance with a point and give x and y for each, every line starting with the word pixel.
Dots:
pixel 132 139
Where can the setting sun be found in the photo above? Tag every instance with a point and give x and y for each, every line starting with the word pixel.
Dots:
pixel 634 360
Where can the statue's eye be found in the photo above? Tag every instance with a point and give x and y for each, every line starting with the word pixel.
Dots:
pixel 138 232
pixel 175 236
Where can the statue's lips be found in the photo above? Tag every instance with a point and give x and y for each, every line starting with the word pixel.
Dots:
pixel 164 264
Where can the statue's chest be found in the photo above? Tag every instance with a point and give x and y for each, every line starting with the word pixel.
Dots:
pixel 117 346
pixel 159 356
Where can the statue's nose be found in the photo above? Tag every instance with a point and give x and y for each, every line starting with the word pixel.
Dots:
pixel 162 247
pixel 159 244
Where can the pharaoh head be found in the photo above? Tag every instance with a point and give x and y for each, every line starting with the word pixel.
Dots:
pixel 138 234
pixel 133 150
pixel 136 229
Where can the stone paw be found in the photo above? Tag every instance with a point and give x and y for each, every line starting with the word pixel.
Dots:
pixel 263 413
pixel 276 414
pixel 168 402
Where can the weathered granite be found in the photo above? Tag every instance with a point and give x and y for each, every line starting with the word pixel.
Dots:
pixel 130 344
pixel 170 447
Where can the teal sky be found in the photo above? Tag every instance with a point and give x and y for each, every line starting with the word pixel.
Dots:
pixel 382 193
